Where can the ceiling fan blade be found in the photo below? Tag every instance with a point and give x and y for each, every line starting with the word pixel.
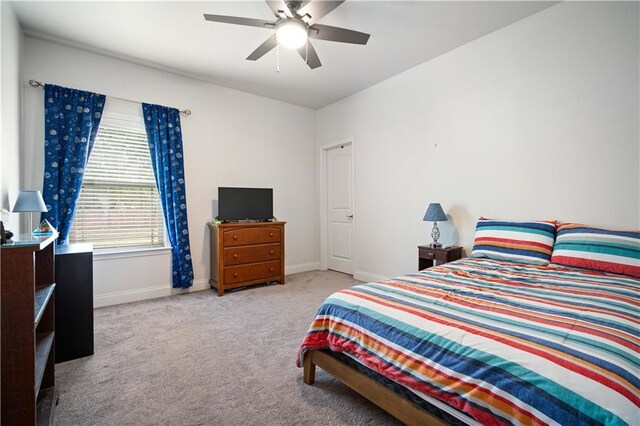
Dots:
pixel 263 49
pixel 312 60
pixel 342 35
pixel 316 9
pixel 278 7
pixel 250 22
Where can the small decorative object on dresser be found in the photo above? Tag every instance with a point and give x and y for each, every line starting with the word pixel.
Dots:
pixel 246 253
pixel 45 228
pixel 436 214
pixel 429 256
pixel 5 234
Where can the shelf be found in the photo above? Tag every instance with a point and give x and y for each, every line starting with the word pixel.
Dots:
pixel 46 405
pixel 27 347
pixel 44 342
pixel 29 241
pixel 43 294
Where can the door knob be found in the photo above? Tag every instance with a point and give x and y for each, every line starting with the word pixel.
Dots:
pixel 349 216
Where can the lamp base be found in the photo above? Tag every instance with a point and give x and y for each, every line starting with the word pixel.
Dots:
pixel 435 234
pixel 435 245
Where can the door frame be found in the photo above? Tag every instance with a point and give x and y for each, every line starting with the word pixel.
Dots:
pixel 323 199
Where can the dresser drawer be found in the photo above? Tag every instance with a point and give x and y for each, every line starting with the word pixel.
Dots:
pixel 253 271
pixel 251 254
pixel 429 256
pixel 241 237
pixel 433 254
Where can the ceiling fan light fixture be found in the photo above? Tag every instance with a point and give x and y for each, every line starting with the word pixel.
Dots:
pixel 291 34
pixel 295 26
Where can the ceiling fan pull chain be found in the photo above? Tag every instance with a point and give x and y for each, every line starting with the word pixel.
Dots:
pixel 306 53
pixel 278 57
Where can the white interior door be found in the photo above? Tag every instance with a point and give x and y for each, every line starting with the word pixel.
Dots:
pixel 339 186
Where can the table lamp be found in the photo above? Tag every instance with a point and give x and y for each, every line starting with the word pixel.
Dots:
pixel 30 202
pixel 435 214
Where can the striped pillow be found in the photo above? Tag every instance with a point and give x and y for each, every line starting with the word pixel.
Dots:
pixel 599 249
pixel 524 242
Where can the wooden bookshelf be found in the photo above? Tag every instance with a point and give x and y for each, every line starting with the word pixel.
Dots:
pixel 28 391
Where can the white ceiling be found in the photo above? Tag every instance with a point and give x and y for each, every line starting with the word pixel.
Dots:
pixel 175 36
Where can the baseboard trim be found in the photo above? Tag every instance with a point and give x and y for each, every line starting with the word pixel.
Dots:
pixel 146 293
pixel 368 276
pixel 301 267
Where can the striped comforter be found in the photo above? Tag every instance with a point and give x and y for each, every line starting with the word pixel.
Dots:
pixel 499 342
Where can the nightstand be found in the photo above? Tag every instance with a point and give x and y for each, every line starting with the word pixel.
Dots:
pixel 433 256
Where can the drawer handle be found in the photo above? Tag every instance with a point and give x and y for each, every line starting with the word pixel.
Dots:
pixel 235 275
pixel 271 234
pixel 235 237
pixel 235 256
pixel 271 252
pixel 270 269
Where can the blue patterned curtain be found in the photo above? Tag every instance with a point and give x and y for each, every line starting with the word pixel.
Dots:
pixel 71 122
pixel 165 144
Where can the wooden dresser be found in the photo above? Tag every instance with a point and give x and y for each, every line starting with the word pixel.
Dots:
pixel 246 253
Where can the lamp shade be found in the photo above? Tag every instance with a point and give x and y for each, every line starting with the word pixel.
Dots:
pixel 435 213
pixel 30 201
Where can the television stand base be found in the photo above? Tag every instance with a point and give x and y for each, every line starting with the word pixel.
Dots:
pixel 249 221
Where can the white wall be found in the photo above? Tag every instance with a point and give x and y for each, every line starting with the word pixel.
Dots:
pixel 539 120
pixel 231 139
pixel 10 111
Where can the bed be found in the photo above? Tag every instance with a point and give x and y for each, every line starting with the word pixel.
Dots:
pixel 480 341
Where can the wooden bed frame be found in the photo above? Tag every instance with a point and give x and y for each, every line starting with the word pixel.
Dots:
pixel 399 407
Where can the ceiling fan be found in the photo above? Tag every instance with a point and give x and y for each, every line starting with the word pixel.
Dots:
pixel 296 23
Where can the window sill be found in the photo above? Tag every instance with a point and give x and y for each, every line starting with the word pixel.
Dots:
pixel 110 254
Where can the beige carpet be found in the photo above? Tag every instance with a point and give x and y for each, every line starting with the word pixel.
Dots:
pixel 197 359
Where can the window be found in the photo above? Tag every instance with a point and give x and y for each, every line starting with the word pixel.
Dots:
pixel 119 206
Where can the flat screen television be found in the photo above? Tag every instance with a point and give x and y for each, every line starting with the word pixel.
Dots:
pixel 245 203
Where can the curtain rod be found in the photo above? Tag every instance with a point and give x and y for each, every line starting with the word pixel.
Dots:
pixel 36 83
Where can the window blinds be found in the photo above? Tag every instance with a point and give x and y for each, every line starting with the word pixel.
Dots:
pixel 119 205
